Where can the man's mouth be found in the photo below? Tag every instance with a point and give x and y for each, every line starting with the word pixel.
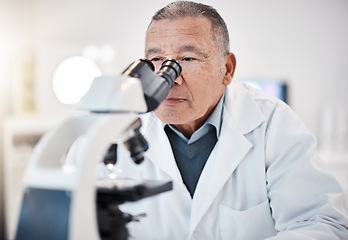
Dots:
pixel 174 100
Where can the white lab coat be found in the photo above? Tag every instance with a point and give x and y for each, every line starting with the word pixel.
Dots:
pixel 262 180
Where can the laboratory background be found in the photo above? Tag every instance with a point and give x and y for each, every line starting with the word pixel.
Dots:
pixel 50 50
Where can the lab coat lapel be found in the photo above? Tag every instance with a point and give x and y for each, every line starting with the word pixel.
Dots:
pixel 226 156
pixel 160 151
pixel 241 116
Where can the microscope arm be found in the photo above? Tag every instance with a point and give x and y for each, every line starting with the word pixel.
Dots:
pixel 45 172
pixel 60 199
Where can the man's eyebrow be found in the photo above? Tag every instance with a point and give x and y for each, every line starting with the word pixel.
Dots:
pixel 191 48
pixel 152 51
pixel 184 48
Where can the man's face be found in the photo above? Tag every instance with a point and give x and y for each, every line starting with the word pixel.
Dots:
pixel 199 87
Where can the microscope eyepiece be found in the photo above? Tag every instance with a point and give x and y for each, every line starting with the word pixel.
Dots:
pixel 170 70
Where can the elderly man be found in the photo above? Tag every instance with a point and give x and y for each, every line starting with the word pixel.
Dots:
pixel 243 165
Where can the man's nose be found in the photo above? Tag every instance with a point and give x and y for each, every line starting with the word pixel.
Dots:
pixel 179 80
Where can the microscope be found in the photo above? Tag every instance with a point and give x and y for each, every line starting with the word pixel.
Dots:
pixel 62 198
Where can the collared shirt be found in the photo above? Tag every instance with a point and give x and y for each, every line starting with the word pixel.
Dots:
pixel 192 154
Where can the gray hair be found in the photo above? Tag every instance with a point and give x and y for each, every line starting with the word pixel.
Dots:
pixel 180 9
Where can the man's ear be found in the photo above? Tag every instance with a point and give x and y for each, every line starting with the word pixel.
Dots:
pixel 230 66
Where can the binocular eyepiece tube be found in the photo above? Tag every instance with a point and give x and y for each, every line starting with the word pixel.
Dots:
pixel 170 70
pixel 156 86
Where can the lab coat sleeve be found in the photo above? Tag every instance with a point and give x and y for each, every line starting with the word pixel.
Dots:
pixel 306 202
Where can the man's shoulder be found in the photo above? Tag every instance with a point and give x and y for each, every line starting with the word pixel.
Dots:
pixel 240 93
pixel 242 88
pixel 249 107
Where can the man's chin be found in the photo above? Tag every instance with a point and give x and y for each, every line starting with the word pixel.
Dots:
pixel 168 117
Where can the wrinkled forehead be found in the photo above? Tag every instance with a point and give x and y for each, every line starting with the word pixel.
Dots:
pixel 189 26
pixel 184 31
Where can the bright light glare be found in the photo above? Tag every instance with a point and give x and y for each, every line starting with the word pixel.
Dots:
pixel 73 77
pixel 91 52
pixel 107 53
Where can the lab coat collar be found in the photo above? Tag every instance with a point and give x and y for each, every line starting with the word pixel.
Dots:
pixel 160 151
pixel 241 116
pixel 241 106
pixel 229 151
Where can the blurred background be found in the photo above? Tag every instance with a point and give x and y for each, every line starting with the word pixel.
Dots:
pixel 300 44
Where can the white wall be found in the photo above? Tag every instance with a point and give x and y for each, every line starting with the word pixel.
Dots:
pixel 301 41
pixel 304 42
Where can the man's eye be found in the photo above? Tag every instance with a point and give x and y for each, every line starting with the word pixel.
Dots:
pixel 187 59
pixel 156 59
